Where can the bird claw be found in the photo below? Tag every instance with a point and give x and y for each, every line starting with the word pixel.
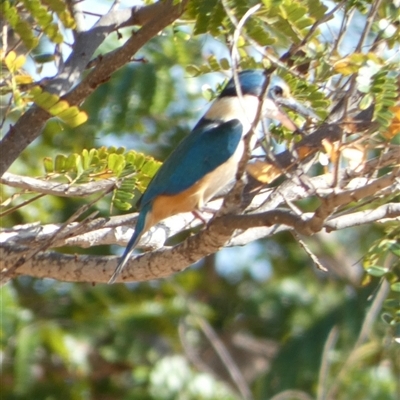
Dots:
pixel 199 214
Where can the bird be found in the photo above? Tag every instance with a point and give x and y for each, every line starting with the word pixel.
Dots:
pixel 207 159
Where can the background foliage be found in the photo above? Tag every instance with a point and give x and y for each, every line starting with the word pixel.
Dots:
pixel 258 322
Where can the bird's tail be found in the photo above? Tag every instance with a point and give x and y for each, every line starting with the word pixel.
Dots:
pixel 139 231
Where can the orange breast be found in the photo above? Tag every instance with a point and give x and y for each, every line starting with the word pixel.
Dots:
pixel 166 206
pixel 195 197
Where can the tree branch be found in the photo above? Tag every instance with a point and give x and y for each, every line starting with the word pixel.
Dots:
pixel 386 211
pixel 56 188
pixel 169 260
pixel 97 232
pixel 334 200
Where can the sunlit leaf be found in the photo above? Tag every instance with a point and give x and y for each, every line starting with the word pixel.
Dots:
pixel 377 271
pixel 395 287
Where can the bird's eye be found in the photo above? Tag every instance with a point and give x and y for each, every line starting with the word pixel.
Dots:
pixel 278 91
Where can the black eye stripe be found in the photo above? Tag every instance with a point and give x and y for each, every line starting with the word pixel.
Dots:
pixel 277 90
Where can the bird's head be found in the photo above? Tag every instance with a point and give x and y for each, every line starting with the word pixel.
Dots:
pixel 276 95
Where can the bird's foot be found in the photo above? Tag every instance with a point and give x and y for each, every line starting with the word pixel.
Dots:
pixel 200 214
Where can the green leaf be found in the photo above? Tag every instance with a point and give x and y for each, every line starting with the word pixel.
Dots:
pixel 225 65
pixel 85 159
pixel 48 165
pixel 193 70
pixel 128 184
pixel 395 287
pixel 23 29
pixel 71 162
pixel 116 162
pixel 124 196
pixel 69 113
pixel 377 271
pixel 14 62
pixel 395 248
pixel 76 120
pixel 46 100
pixel 366 101
pixel 150 167
pixel 121 205
pixel 136 159
pixel 259 34
pixel 60 106
pixel 79 165
pixel 213 63
pixel 392 304
pixel 317 9
pixel 59 163
pixel 202 10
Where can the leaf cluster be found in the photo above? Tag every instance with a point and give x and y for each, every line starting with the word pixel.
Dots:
pixel 52 103
pixel 377 80
pixel 13 79
pixel 19 14
pixel 132 170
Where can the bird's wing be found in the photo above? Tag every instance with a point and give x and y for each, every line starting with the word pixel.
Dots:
pixel 207 147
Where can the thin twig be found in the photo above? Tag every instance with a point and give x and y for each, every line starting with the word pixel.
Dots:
pixel 313 257
pixel 314 27
pixel 375 5
pixel 218 346
pixel 23 204
pixel 225 357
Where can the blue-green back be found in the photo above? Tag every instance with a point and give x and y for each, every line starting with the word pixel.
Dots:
pixel 208 146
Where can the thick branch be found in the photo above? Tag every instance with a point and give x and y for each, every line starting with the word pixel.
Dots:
pixel 100 231
pixel 117 229
pixel 152 265
pixel 225 231
pixel 167 261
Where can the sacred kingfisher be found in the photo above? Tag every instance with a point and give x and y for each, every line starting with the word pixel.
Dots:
pixel 207 159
